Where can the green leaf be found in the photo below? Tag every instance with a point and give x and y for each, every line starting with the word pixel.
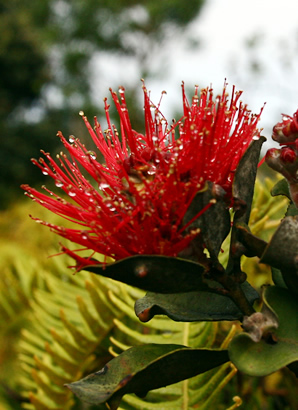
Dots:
pixel 214 223
pixel 243 190
pixel 244 181
pixel 144 368
pixel 294 368
pixel 282 251
pixel 291 280
pixel 155 273
pixel 192 306
pixel 292 210
pixel 277 278
pixel 267 356
pixel 281 188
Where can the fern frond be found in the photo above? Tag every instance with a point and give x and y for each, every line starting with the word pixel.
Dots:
pixel 17 281
pixel 71 321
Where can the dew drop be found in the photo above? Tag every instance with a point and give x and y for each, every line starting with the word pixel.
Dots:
pixel 103 185
pixel 45 172
pixel 151 171
pixel 71 139
pixel 91 154
pixel 71 193
pixel 59 184
pixel 84 235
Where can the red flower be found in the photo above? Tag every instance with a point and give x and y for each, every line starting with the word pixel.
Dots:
pixel 136 200
pixel 286 132
pixel 285 159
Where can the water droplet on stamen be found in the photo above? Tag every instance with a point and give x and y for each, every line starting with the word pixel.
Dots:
pixel 103 185
pixel 84 235
pixel 91 154
pixel 151 171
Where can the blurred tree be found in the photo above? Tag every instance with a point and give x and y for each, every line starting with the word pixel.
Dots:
pixel 45 53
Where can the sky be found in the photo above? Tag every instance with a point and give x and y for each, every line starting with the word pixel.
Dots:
pixel 253 44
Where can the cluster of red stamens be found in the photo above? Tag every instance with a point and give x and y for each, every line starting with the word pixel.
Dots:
pixel 135 200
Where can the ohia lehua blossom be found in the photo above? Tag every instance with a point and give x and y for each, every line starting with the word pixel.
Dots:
pixel 132 195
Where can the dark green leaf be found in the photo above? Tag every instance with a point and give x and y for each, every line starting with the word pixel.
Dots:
pixel 277 278
pixel 144 368
pixel 281 188
pixel 192 306
pixel 282 251
pixel 244 181
pixel 292 210
pixel 243 190
pixel 254 245
pixel 269 355
pixel 155 273
pixel 214 223
pixel 294 368
pixel 291 279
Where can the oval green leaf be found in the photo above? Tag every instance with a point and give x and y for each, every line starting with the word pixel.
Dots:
pixel 155 273
pixel 192 306
pixel 265 357
pixel 144 368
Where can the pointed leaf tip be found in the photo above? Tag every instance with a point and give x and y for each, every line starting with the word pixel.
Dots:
pixel 244 181
pixel 143 368
pixel 281 188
